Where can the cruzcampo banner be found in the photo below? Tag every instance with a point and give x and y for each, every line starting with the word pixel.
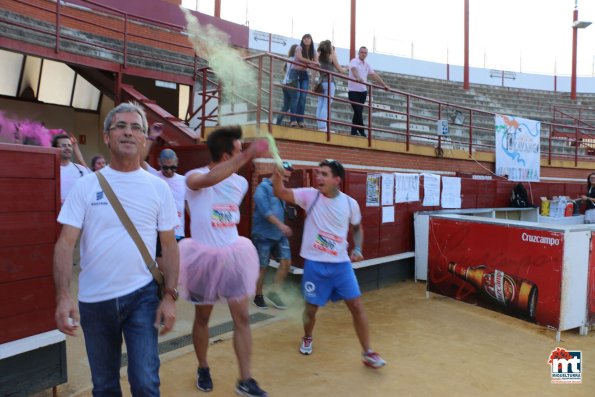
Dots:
pixel 517 148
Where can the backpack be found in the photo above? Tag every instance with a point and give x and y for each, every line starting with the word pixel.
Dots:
pixel 519 197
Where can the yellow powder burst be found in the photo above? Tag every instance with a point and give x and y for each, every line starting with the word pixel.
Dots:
pixel 225 61
pixel 234 73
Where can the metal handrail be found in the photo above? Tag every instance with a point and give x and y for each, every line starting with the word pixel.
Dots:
pixel 65 13
pixel 475 119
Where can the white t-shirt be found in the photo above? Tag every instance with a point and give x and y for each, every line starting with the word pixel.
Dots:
pixel 69 174
pixel 327 225
pixel 363 69
pixel 177 184
pixel 111 264
pixel 215 210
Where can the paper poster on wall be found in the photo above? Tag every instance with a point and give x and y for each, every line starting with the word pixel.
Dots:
pixel 451 192
pixel 373 190
pixel 406 188
pixel 431 190
pixel 388 214
pixel 518 148
pixel 388 189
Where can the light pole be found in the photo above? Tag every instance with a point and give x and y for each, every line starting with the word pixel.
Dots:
pixel 576 25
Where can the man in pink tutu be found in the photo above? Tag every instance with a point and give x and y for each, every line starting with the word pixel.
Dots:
pixel 328 274
pixel 216 262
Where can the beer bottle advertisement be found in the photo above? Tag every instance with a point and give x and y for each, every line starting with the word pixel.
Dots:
pixel 512 270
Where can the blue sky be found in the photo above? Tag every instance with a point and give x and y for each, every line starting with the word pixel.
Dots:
pixel 531 36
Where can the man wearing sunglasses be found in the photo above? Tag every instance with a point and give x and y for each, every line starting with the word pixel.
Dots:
pixel 168 164
pixel 328 274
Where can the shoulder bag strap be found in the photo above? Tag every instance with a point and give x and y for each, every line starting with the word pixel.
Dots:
pixel 129 226
pixel 313 204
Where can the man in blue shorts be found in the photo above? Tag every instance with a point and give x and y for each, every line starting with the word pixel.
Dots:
pixel 269 235
pixel 328 274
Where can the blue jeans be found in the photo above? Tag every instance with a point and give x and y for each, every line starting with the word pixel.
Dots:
pixel 290 97
pixel 103 325
pixel 322 108
pixel 300 108
pixel 266 247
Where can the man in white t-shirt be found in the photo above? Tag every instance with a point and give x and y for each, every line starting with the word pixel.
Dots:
pixel 328 274
pixel 359 70
pixel 216 262
pixel 69 171
pixel 117 293
pixel 168 164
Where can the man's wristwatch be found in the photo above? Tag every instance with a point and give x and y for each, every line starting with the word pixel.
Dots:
pixel 171 292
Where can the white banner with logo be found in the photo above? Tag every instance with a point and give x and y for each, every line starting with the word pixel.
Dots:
pixel 518 148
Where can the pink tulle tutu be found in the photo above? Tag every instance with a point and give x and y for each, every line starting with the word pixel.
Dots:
pixel 208 273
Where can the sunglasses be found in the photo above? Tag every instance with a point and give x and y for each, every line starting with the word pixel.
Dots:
pixel 169 167
pixel 287 166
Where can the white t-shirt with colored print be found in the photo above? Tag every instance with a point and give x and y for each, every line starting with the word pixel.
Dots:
pixel 215 210
pixel 111 263
pixel 327 225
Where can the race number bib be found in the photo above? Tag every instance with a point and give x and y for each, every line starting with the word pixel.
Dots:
pixel 225 215
pixel 327 242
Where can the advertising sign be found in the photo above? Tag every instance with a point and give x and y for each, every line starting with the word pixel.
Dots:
pixel 518 148
pixel 513 270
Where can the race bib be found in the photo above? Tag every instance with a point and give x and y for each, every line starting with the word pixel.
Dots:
pixel 225 215
pixel 327 242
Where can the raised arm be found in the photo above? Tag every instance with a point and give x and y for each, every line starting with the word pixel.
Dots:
pixel 279 188
pixel 155 131
pixel 226 168
pixel 77 151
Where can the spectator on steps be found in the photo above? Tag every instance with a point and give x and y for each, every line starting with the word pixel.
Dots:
pixel 306 56
pixel 359 70
pixel 290 83
pixel 328 61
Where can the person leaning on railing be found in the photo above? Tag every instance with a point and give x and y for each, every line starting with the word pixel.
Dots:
pixel 290 82
pixel 359 70
pixel 306 56
pixel 328 61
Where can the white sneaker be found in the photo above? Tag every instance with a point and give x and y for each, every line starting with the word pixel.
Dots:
pixel 306 346
pixel 373 360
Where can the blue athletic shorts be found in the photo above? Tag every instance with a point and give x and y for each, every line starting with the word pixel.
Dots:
pixel 323 281
pixel 266 247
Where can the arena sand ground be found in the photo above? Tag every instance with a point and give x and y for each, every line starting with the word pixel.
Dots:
pixel 434 347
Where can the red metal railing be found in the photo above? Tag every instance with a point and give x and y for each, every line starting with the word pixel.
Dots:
pixel 110 23
pixel 416 116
